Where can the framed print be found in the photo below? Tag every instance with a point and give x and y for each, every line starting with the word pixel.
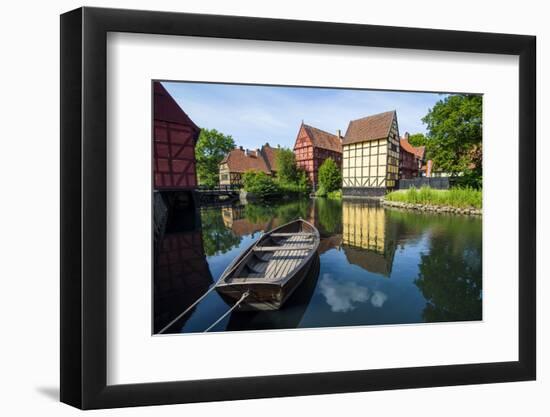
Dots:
pixel 257 208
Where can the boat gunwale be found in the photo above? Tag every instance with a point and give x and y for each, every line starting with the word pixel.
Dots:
pixel 280 283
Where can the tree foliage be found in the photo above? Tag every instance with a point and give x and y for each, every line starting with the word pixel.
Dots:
pixel 454 134
pixel 285 161
pixel 330 177
pixel 210 149
pixel 418 139
pixel 260 184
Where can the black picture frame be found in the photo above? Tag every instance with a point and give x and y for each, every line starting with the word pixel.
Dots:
pixel 84 207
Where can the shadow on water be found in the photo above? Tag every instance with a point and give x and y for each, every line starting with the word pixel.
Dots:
pixel 293 309
pixel 375 266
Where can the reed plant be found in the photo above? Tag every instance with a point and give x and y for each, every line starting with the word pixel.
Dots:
pixel 466 197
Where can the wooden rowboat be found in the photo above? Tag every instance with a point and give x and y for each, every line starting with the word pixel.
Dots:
pixel 269 271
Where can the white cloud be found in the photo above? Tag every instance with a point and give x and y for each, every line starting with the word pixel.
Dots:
pixel 342 296
pixel 255 114
pixel 378 299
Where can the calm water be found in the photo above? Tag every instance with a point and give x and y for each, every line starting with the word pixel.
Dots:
pixel 376 266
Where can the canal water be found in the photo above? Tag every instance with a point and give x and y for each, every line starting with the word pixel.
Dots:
pixel 376 266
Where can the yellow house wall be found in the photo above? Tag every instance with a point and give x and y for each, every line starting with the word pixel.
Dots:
pixel 225 178
pixel 364 226
pixel 374 163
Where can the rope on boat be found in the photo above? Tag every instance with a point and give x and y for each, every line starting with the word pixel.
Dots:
pixel 246 294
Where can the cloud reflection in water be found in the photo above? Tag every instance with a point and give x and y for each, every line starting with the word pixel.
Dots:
pixel 344 296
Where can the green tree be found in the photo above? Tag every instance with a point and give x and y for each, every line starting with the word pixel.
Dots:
pixel 418 139
pixel 211 147
pixel 260 184
pixel 286 165
pixel 330 176
pixel 454 134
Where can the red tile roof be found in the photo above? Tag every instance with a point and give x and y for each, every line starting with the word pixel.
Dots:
pixel 241 160
pixel 324 140
pixel 270 155
pixel 368 128
pixel 418 151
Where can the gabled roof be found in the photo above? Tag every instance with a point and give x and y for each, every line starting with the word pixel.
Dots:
pixel 240 160
pixel 270 156
pixel 368 128
pixel 322 139
pixel 418 151
pixel 167 110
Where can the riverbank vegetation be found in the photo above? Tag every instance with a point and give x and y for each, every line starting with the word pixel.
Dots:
pixel 455 197
pixel 330 180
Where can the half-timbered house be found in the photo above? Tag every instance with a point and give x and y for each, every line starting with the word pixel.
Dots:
pixel 371 155
pixel 240 160
pixel 312 147
pixel 174 139
pixel 411 158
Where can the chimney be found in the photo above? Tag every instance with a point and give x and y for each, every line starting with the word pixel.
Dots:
pixel 406 136
pixel 241 148
pixel 339 133
pixel 267 145
pixel 247 152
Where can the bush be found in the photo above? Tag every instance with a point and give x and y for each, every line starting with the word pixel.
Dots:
pixel 321 191
pixel 455 197
pixel 470 179
pixel 298 186
pixel 285 162
pixel 260 184
pixel 330 177
pixel 335 195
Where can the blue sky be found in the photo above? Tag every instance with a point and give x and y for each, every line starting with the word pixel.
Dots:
pixel 254 115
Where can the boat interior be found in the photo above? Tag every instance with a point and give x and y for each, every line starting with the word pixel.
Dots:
pixel 276 255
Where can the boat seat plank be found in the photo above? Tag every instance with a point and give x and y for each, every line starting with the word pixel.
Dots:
pixel 281 248
pixel 290 234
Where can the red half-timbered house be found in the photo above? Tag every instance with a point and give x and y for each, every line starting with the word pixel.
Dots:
pixel 174 139
pixel 411 158
pixel 313 146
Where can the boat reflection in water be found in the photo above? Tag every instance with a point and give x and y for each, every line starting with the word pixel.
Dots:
pixel 375 266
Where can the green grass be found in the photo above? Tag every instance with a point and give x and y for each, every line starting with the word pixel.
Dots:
pixel 335 195
pixel 455 197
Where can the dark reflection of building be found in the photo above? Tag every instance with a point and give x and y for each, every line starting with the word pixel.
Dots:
pixel 328 243
pixel 181 275
pixel 234 218
pixel 369 238
pixel 290 315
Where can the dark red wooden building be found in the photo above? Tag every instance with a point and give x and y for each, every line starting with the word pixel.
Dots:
pixel 411 158
pixel 174 138
pixel 313 146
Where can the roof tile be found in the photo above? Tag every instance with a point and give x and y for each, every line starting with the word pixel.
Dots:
pixel 324 140
pixel 368 128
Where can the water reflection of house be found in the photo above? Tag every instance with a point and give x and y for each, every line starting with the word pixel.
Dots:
pixel 181 275
pixel 328 243
pixel 368 238
pixel 234 218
